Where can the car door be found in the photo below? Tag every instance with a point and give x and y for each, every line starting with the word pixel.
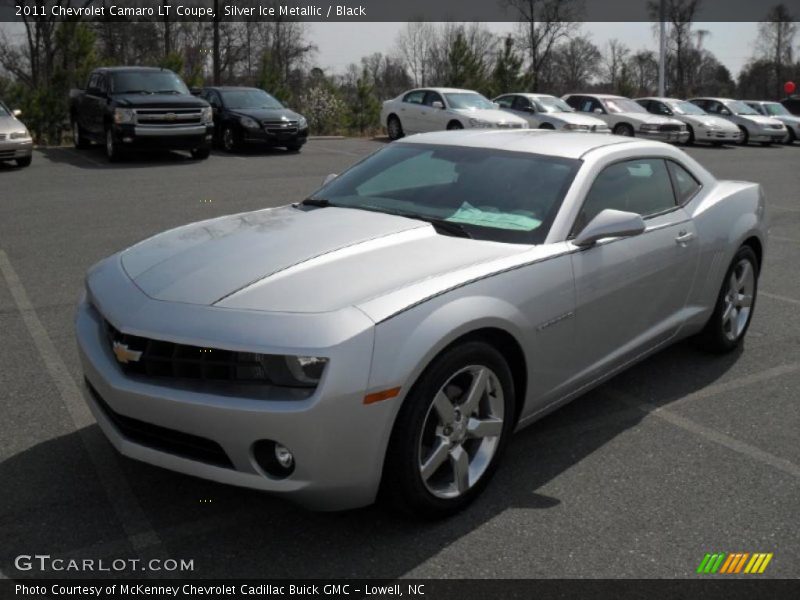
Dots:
pixel 631 292
pixel 99 101
pixel 90 105
pixel 430 117
pixel 214 99
pixel 596 109
pixel 524 108
pixel 410 109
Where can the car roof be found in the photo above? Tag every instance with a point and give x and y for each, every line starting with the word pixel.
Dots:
pixel 661 99
pixel 441 90
pixel 714 98
pixel 534 141
pixel 123 69
pixel 229 88
pixel 762 101
pixel 593 95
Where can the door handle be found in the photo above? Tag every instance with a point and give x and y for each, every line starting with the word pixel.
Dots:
pixel 684 237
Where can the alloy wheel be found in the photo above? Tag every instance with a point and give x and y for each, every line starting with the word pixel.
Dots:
pixel 111 150
pixel 461 432
pixel 738 300
pixel 228 141
pixel 76 134
pixel 394 128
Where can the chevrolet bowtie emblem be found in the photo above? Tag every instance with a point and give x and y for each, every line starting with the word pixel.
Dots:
pixel 125 354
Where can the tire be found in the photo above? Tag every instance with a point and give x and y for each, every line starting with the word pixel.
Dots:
pixel 394 128
pixel 78 136
pixel 546 126
pixel 201 153
pixel 716 144
pixel 230 139
pixel 24 162
pixel 294 147
pixel 745 139
pixel 690 139
pixel 113 153
pixel 623 129
pixel 730 321
pixel 433 428
pixel 791 137
pixel 454 125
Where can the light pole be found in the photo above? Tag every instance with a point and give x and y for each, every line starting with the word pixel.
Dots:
pixel 662 50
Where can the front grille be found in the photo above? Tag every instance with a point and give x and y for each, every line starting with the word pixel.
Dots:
pixel 280 127
pixel 671 127
pixel 3 136
pixel 164 439
pixel 157 358
pixel 6 154
pixel 166 117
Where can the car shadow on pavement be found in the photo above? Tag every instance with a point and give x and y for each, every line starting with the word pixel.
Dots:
pixel 54 503
pixel 95 158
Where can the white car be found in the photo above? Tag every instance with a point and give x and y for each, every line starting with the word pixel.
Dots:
pixel 702 126
pixel 778 111
pixel 543 111
pixel 436 109
pixel 626 117
pixel 754 127
pixel 15 140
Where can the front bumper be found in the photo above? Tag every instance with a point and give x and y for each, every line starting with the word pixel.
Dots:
pixel 263 136
pixel 338 442
pixel 776 136
pixel 11 149
pixel 164 137
pixel 665 136
pixel 717 135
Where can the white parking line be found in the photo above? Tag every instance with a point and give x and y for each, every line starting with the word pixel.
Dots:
pixel 708 433
pixel 781 238
pixel 134 521
pixel 779 297
pixel 788 208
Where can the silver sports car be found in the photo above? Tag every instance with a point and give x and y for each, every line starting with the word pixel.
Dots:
pixel 390 332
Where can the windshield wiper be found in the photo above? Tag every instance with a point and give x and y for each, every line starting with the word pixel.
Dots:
pixel 317 202
pixel 135 92
pixel 167 92
pixel 442 226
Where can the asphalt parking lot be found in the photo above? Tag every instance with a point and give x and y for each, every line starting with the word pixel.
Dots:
pixel 682 455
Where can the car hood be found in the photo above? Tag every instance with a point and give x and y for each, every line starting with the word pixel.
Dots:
pixel 577 119
pixel 159 101
pixel 489 114
pixel 268 114
pixel 648 118
pixel 760 119
pixel 787 119
pixel 9 124
pixel 298 260
pixel 708 120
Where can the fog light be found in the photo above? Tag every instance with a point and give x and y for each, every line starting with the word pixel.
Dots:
pixel 127 140
pixel 283 456
pixel 275 459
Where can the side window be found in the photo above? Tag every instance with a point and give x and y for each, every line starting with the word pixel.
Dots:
pixel 415 97
pixel 102 84
pixel 521 103
pixel 214 99
pixel 591 104
pixel 686 185
pixel 91 86
pixel 575 102
pixel 759 108
pixel 701 103
pixel 642 186
pixel 431 97
pixel 646 104
pixel 660 108
pixel 505 101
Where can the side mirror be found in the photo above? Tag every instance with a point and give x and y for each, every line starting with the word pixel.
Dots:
pixel 725 112
pixel 328 178
pixel 610 223
pixel 530 109
pixel 16 112
pixel 437 104
pixel 196 91
pixel 598 111
pixel 495 105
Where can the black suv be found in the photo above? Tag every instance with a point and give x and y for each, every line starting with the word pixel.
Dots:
pixel 245 115
pixel 792 104
pixel 140 108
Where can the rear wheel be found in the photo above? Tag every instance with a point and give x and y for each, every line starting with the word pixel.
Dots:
pixel 450 432
pixel 394 128
pixel 24 162
pixel 78 138
pixel 728 324
pixel 623 129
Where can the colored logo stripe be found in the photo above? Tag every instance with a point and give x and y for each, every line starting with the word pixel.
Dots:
pixel 734 562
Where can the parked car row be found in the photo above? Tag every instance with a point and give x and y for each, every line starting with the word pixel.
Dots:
pixel 149 108
pixel 711 120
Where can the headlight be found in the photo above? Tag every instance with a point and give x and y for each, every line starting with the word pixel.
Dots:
pixel 207 114
pixel 302 123
pixel 248 122
pixel 576 127
pixel 285 371
pixel 479 123
pixel 649 127
pixel 20 135
pixel 124 115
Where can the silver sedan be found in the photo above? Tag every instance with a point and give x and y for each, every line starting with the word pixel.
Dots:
pixel 390 332
pixel 15 140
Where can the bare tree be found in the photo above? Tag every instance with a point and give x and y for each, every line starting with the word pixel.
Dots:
pixel 542 24
pixel 679 15
pixel 576 61
pixel 615 62
pixel 776 39
pixel 414 44
pixel 644 70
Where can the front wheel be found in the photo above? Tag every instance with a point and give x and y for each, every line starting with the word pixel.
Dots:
pixel 690 139
pixel 294 147
pixel 745 139
pixel 201 153
pixel 790 139
pixel 623 129
pixel 450 432
pixel 728 324
pixel 453 125
pixel 24 162
pixel 112 150
pixel 230 140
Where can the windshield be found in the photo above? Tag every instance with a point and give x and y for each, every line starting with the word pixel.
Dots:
pixel 491 194
pixel 740 108
pixel 467 100
pixel 249 99
pixel 552 105
pixel 775 109
pixel 686 108
pixel 620 105
pixel 4 112
pixel 147 82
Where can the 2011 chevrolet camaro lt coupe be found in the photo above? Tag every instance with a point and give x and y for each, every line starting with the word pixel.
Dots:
pixel 391 331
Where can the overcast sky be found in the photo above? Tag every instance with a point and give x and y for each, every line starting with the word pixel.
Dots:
pixel 342 43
